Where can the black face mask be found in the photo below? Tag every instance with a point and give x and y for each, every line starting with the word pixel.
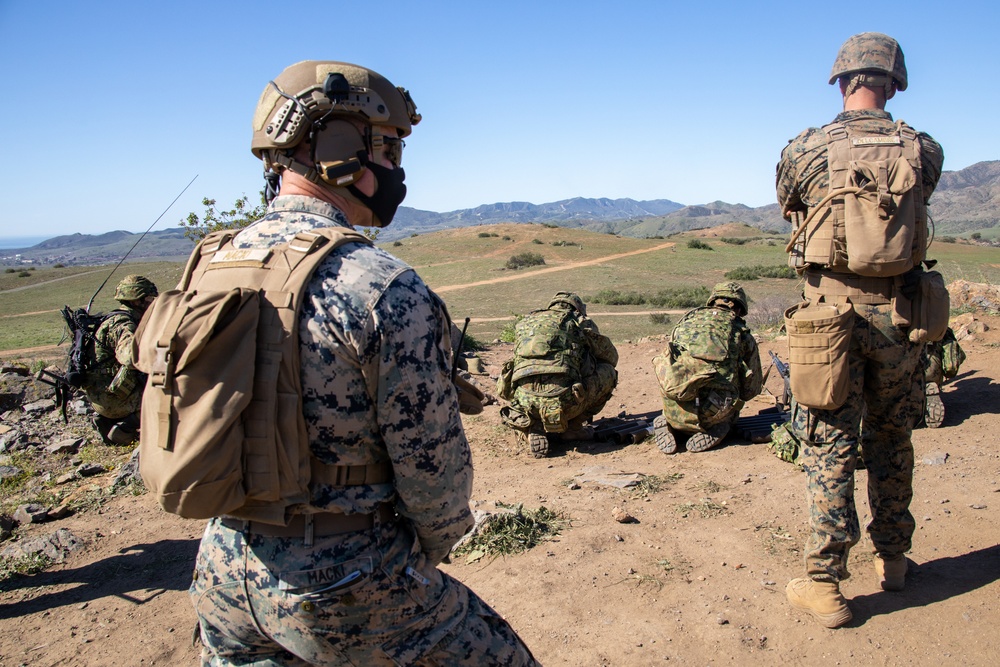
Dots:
pixel 389 193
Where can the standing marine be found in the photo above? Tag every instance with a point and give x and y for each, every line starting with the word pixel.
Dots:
pixel 856 192
pixel 710 368
pixel 561 375
pixel 352 578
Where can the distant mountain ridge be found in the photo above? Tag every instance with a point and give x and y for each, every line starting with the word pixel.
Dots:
pixel 965 200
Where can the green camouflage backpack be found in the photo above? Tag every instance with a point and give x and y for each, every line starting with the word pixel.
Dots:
pixel 952 354
pixel 702 352
pixel 549 342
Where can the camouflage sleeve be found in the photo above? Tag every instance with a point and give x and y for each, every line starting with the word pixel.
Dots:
pixel 803 162
pixel 418 416
pixel 931 163
pixel 752 379
pixel 120 337
pixel 601 347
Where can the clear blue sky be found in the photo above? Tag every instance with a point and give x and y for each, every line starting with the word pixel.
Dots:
pixel 110 107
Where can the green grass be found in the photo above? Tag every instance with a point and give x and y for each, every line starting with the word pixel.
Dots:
pixel 43 294
pixel 508 533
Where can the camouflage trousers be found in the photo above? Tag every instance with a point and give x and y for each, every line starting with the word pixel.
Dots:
pixel 553 402
pixel 363 598
pixel 886 389
pixel 710 409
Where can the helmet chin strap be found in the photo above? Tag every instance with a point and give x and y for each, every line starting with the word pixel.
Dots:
pixel 383 203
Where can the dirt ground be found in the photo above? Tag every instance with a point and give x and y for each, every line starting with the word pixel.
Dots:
pixel 697 580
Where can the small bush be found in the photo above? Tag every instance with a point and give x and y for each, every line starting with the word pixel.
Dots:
pixel 975 236
pixel 524 259
pixel 471 344
pixel 761 271
pixel 507 238
pixel 659 318
pixel 698 244
pixel 562 243
pixel 550 225
pixel 508 332
pixel 10 270
pixel 414 235
pixel 767 313
pixel 615 298
pixel 23 274
pixel 538 241
pixel 487 235
pixel 680 297
pixel 396 244
pixel 947 239
pixel 734 241
pixel 58 266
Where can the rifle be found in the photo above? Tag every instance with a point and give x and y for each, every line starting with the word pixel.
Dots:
pixel 62 387
pixel 785 401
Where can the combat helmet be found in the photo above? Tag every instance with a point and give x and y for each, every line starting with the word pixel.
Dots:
pixel 871 52
pixel 135 288
pixel 731 291
pixel 571 300
pixel 322 103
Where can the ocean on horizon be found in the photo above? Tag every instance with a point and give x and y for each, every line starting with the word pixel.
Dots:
pixel 21 241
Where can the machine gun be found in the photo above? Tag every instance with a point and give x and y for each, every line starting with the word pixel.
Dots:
pixel 623 429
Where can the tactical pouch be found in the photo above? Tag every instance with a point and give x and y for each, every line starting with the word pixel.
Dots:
pixel 505 383
pixel 819 336
pixel 930 309
pixel 879 217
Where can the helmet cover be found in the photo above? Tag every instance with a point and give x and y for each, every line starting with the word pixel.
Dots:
pixel 732 291
pixel 871 52
pixel 571 300
pixel 135 288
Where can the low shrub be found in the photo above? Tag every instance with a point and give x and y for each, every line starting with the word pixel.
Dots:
pixel 761 271
pixel 698 244
pixel 524 259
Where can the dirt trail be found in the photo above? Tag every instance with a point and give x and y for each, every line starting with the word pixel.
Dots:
pixel 48 282
pixel 551 269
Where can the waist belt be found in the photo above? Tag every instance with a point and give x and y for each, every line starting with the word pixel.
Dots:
pixel 308 526
pixel 375 473
pixel 861 290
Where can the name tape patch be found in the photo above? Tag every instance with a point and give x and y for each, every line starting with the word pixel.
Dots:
pixel 257 255
pixel 876 141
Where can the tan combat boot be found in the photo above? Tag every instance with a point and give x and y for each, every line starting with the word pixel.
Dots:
pixel 821 599
pixel 891 574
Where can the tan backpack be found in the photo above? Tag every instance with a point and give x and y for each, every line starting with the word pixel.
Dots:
pixel 873 221
pixel 222 426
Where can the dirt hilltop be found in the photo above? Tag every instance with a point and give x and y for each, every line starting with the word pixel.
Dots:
pixel 697 580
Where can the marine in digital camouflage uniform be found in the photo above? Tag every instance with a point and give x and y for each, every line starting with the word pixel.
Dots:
pixel 884 366
pixel 708 417
pixel 114 386
pixel 562 374
pixel 363 588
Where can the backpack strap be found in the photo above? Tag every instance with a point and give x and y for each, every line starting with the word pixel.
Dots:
pixel 838 154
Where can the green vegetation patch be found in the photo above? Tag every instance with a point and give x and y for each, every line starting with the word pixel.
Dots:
pixel 676 297
pixel 524 259
pixel 698 244
pixel 761 271
pixel 512 532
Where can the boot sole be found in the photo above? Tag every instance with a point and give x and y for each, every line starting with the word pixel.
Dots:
pixel 696 444
pixel 933 411
pixel 539 445
pixel 666 442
